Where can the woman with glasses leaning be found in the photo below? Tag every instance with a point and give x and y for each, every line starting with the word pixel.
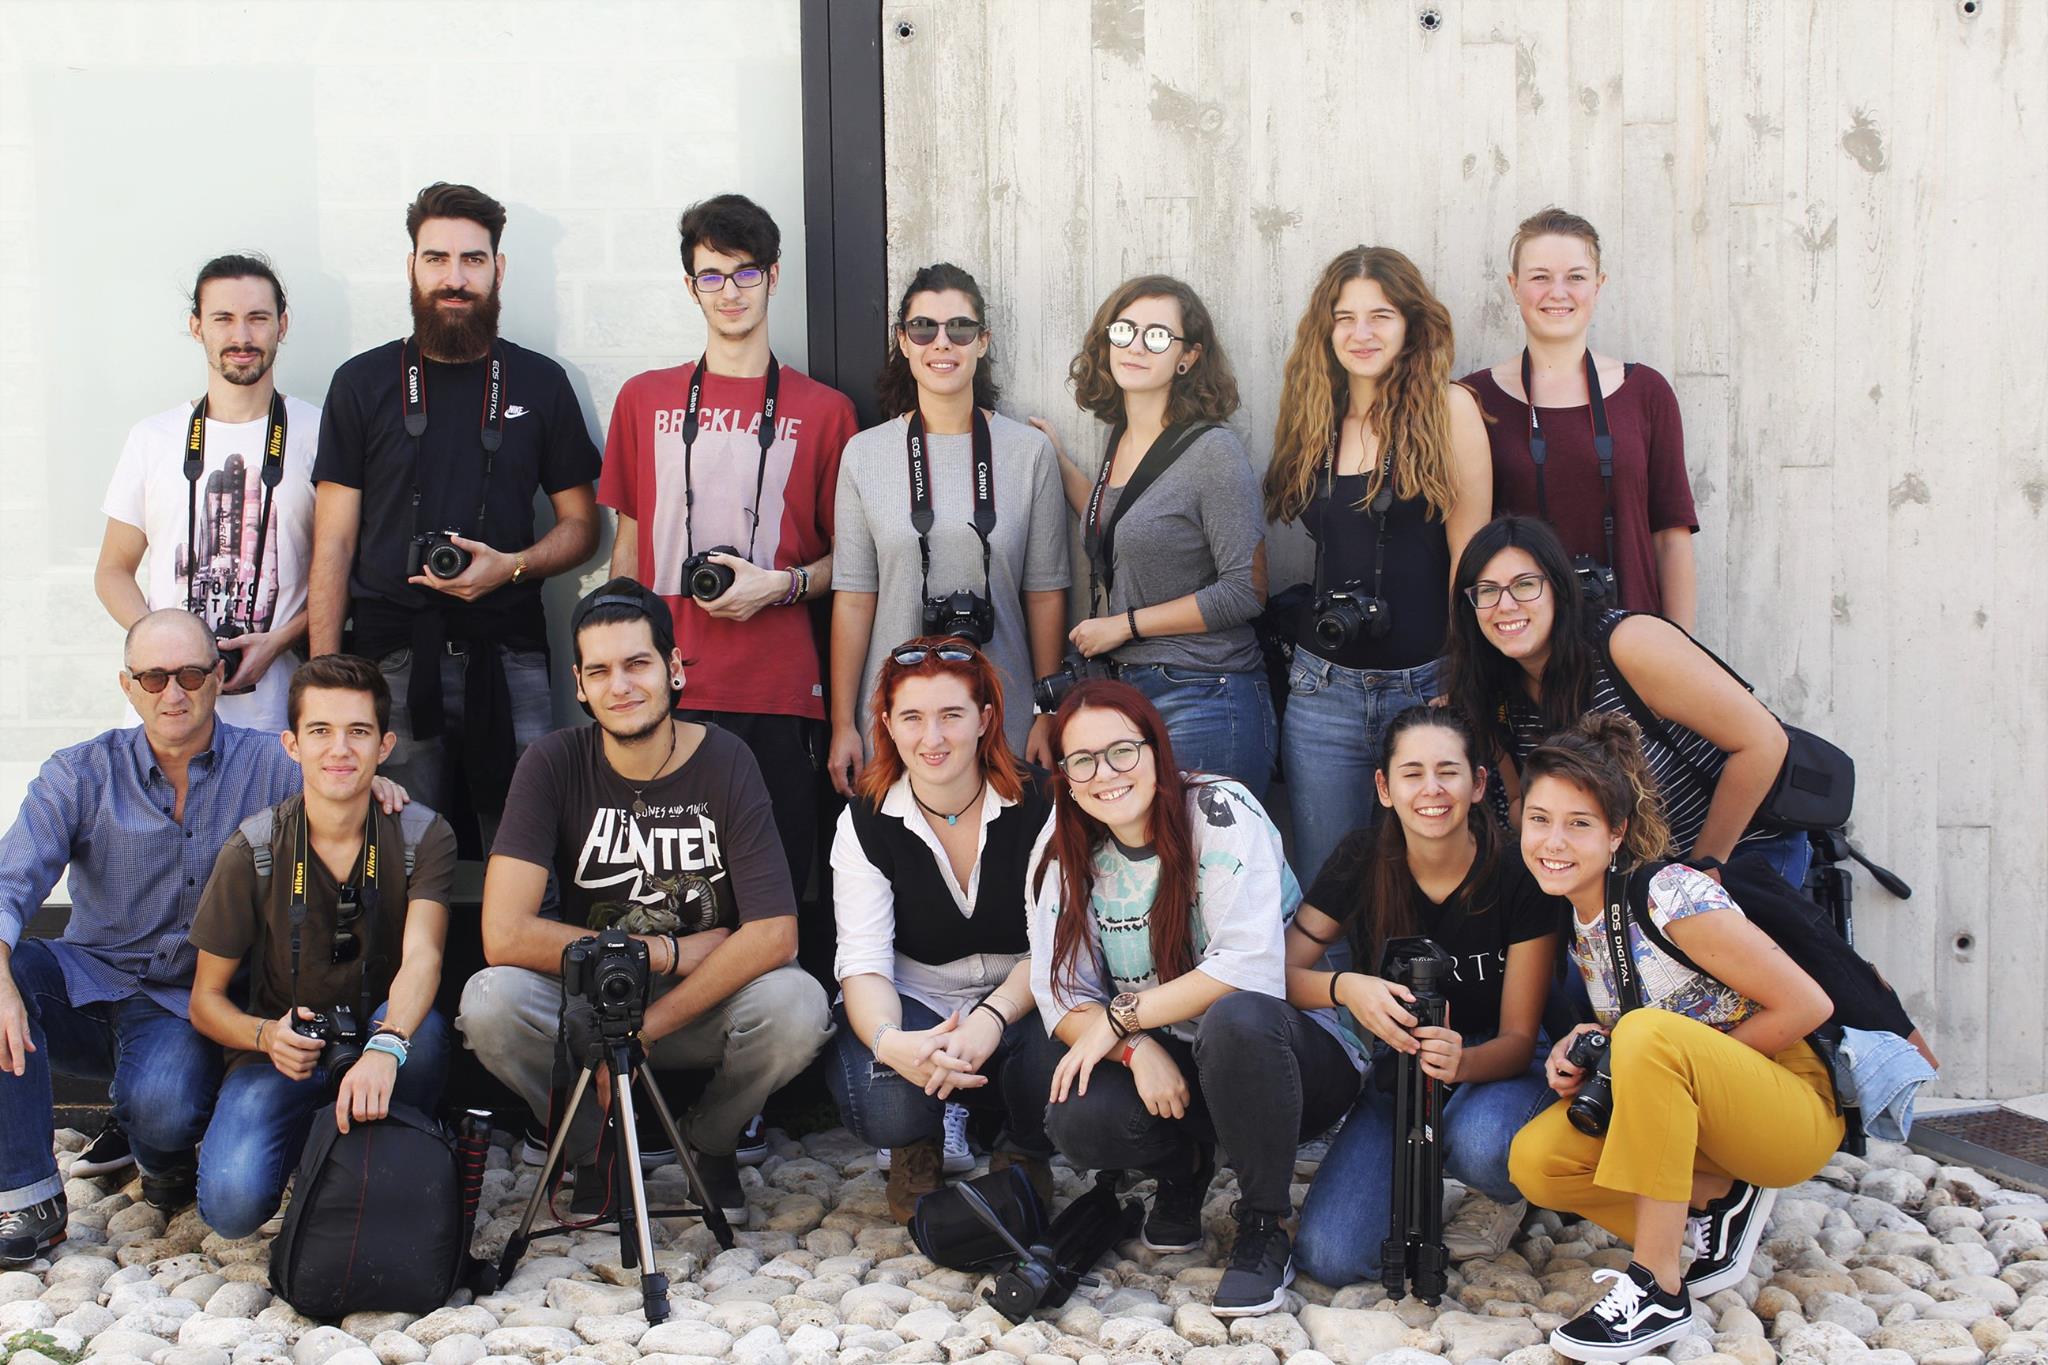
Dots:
pixel 1165 895
pixel 948 521
pixel 1176 546
pixel 1385 461
pixel 1528 659
pixel 928 872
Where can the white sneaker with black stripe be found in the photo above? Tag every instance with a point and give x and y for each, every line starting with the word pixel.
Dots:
pixel 1724 1237
pixel 1634 1318
pixel 959 1156
pixel 107 1153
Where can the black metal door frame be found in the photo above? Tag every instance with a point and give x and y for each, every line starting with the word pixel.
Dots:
pixel 845 212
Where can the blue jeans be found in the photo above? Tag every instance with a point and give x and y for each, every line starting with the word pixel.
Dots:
pixel 1344 1217
pixel 163 1077
pixel 1219 723
pixel 1330 745
pixel 263 1117
pixel 881 1108
pixel 1790 855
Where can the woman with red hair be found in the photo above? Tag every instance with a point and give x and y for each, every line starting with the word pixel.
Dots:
pixel 1159 905
pixel 933 957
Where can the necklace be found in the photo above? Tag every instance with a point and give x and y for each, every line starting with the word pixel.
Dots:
pixel 952 819
pixel 640 806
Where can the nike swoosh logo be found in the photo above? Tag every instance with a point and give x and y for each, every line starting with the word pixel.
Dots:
pixel 515 411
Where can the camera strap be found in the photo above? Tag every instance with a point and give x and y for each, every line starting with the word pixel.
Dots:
pixel 1382 503
pixel 195 465
pixel 767 439
pixel 1628 986
pixel 1603 447
pixel 1100 540
pixel 921 519
pixel 412 393
pixel 362 880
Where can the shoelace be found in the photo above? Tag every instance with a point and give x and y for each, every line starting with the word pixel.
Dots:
pixel 956 1128
pixel 1475 1215
pixel 1696 1234
pixel 1621 1301
pixel 1252 1237
pixel 16 1222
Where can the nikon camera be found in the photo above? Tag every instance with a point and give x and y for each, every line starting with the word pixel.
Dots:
pixel 338 1027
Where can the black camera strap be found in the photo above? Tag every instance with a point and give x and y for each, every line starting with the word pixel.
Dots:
pixel 362 881
pixel 195 465
pixel 1100 540
pixel 1603 447
pixel 767 439
pixel 412 393
pixel 1628 985
pixel 1382 503
pixel 921 519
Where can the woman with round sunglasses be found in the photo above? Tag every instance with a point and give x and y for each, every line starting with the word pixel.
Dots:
pixel 1176 546
pixel 1526 661
pixel 1553 410
pixel 934 958
pixel 1159 901
pixel 948 520
pixel 1384 460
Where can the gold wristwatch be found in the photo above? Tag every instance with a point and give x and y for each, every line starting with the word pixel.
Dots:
pixel 1123 1015
pixel 518 567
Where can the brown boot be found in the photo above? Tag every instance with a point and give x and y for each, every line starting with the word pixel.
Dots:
pixel 913 1173
pixel 1036 1170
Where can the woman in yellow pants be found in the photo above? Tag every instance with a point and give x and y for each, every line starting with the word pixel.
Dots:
pixel 1718 1101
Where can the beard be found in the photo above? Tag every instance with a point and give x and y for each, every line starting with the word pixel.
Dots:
pixel 639 734
pixel 245 373
pixel 455 338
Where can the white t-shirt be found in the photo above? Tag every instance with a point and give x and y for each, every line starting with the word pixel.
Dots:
pixel 148 491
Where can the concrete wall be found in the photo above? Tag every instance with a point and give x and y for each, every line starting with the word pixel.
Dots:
pixel 1824 220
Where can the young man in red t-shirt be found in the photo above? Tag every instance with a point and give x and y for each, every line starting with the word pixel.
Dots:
pixel 760 513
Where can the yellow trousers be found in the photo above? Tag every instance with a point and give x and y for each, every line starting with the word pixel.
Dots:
pixel 1687 1098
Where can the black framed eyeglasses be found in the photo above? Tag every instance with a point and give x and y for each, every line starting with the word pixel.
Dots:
pixel 923 331
pixel 1121 757
pixel 348 908
pixel 190 678
pixel 1526 588
pixel 713 281
pixel 1157 337
pixel 910 656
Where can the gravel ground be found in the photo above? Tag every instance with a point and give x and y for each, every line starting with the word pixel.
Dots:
pixel 1893 1261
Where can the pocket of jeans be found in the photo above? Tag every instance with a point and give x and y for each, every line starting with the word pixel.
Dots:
pixel 1302 681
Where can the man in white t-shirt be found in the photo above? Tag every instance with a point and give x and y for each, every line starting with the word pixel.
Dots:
pixel 218 496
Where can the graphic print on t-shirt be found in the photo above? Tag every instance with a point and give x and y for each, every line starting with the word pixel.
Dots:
pixel 726 458
pixel 666 862
pixel 217 566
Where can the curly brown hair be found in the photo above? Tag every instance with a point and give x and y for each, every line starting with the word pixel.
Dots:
pixel 1206 393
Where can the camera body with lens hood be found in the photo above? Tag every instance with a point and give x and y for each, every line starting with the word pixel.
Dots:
pixel 1076 668
pixel 1341 617
pixel 965 614
pixel 1597 582
pixel 337 1027
pixel 1592 1109
pixel 609 971
pixel 706 579
pixel 436 554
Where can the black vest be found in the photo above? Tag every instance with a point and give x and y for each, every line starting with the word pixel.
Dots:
pixel 929 928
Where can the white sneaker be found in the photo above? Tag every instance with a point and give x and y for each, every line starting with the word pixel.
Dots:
pixel 1482 1229
pixel 959 1156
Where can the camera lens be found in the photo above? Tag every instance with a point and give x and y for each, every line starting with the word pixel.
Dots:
pixel 710 581
pixel 617 987
pixel 447 561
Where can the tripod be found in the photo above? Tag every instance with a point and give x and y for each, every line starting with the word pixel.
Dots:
pixel 636 1245
pixel 1829 884
pixel 1414 1248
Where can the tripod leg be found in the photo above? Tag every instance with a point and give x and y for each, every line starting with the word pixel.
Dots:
pixel 549 1170
pixel 653 1284
pixel 1394 1250
pixel 714 1216
pixel 1431 1260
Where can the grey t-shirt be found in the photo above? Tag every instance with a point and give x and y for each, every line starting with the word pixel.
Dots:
pixel 874 546
pixel 1194 530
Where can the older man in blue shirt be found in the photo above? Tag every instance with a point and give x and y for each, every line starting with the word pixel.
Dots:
pixel 138 816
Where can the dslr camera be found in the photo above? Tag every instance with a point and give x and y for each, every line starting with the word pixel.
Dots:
pixel 1597 583
pixel 1049 691
pixel 436 553
pixel 708 581
pixel 230 659
pixel 609 971
pixel 1344 616
pixel 1592 1109
pixel 966 614
pixel 337 1027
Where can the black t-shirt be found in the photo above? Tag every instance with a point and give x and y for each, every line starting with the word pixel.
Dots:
pixel 1415 581
pixel 706 848
pixel 363 445
pixel 1510 909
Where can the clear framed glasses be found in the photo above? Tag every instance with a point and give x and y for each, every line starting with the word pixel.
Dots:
pixel 1157 337
pixel 713 281
pixel 190 678
pixel 1121 757
pixel 923 331
pixel 1526 588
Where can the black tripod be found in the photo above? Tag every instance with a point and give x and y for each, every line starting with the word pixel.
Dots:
pixel 1414 1249
pixel 1829 884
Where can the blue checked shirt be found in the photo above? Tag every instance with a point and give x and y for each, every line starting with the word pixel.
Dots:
pixel 104 809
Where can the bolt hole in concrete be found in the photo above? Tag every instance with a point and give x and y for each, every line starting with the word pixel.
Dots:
pixel 905 29
pixel 1964 944
pixel 1433 19
pixel 1969 8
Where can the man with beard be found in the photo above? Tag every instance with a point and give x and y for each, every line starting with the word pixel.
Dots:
pixel 218 496
pixel 663 827
pixel 430 451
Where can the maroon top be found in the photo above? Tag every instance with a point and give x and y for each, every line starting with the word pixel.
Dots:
pixel 1651 491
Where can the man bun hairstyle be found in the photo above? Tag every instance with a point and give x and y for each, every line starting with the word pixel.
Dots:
pixel 1602 755
pixel 242 265
pixel 1552 221
pixel 340 673
pixel 730 223
pixel 443 200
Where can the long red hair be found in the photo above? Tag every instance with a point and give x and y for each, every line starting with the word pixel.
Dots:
pixel 1076 835
pixel 998 765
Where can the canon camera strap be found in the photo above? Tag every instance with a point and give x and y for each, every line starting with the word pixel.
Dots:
pixel 921 520
pixel 412 391
pixel 1382 503
pixel 1099 540
pixel 195 465
pixel 1603 448
pixel 364 879
pixel 767 439
pixel 1628 986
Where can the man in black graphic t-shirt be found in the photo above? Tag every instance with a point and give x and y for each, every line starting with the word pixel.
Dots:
pixel 450 431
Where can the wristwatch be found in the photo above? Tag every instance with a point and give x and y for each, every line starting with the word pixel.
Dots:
pixel 518 567
pixel 1123 1014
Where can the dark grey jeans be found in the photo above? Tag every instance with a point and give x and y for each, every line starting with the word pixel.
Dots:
pixel 422 767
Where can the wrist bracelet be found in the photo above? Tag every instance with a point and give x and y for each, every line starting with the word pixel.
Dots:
pixel 261 1024
pixel 1114 1026
pixel 1335 977
pixel 880 1032
pixel 675 954
pixel 1131 615
pixel 389 1044
pixel 1001 1022
pixel 804 583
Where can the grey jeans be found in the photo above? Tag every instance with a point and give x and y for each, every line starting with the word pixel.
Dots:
pixel 422 767
pixel 753 1042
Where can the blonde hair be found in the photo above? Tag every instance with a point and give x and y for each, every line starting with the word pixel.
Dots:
pixel 1552 222
pixel 1602 755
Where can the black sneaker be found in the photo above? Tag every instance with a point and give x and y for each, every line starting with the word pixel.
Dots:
pixel 1635 1318
pixel 171 1190
pixel 106 1153
pixel 753 1148
pixel 1261 1267
pixel 533 1143
pixel 1724 1237
pixel 27 1233
pixel 1175 1222
pixel 721 1176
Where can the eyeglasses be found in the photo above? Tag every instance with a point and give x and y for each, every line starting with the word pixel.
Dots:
pixel 713 281
pixel 1527 588
pixel 1121 757
pixel 923 331
pixel 910 656
pixel 1157 337
pixel 190 678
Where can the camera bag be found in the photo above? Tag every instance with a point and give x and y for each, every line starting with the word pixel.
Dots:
pixel 946 1229
pixel 1816 785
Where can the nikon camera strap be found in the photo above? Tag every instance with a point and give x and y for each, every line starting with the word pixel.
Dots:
pixel 363 879
pixel 767 439
pixel 1603 447
pixel 412 392
pixel 984 523
pixel 195 466
pixel 1100 540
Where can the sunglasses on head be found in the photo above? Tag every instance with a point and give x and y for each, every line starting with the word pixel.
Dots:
pixel 923 331
pixel 1157 337
pixel 910 656
pixel 347 910
pixel 190 678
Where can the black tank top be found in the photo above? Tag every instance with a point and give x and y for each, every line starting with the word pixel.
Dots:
pixel 1416 585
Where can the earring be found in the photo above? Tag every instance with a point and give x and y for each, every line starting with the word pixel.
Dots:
pixel 1181 368
pixel 676 683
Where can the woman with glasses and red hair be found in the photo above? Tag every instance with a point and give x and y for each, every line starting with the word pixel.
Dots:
pixel 933 959
pixel 1159 907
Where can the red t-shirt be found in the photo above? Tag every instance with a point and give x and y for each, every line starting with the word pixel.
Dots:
pixel 767 665
pixel 1651 490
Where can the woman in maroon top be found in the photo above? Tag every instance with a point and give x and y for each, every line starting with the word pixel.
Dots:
pixel 1554 272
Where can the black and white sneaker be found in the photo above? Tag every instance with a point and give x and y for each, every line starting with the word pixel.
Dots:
pixel 753 1145
pixel 1634 1318
pixel 27 1233
pixel 106 1153
pixel 1175 1222
pixel 532 1149
pixel 1724 1237
pixel 1261 1267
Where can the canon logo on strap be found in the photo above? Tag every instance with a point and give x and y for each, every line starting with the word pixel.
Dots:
pixel 412 384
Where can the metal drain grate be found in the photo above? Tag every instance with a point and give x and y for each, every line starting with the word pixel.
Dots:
pixel 1994 1139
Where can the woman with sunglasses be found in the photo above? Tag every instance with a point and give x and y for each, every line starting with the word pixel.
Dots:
pixel 933 958
pixel 948 520
pixel 1527 660
pixel 1552 409
pixel 1165 895
pixel 1171 523
pixel 1384 460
